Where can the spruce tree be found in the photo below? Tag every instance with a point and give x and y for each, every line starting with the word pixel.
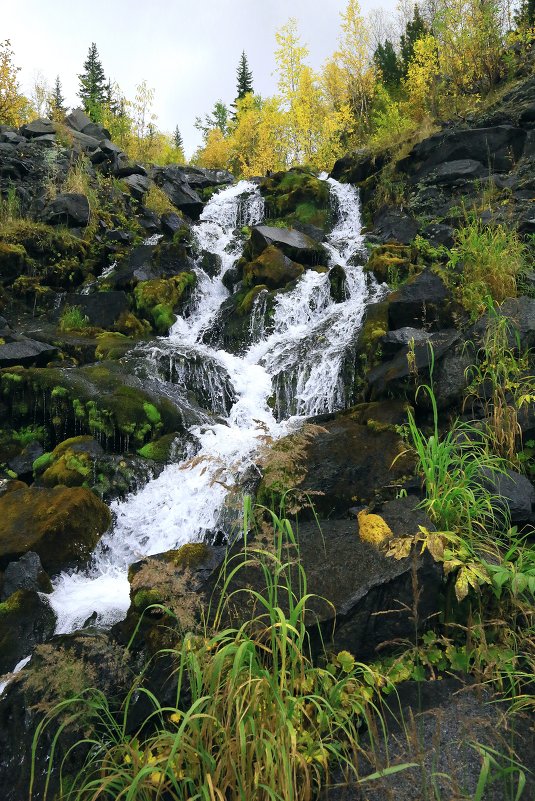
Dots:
pixel 245 78
pixel 92 90
pixel 415 29
pixel 177 139
pixel 386 60
pixel 56 101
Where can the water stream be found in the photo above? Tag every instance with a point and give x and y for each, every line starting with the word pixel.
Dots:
pixel 300 361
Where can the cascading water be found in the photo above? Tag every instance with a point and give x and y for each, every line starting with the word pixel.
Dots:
pixel 301 360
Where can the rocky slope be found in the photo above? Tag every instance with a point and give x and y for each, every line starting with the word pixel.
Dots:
pixel 97 256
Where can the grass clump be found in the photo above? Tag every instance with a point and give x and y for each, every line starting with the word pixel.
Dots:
pixel 157 201
pixel 72 319
pixel 489 259
pixel 253 717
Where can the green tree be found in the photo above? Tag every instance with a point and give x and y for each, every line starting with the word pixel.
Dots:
pixel 92 91
pixel 525 16
pixel 245 78
pixel 415 29
pixel 177 139
pixel 387 62
pixel 219 118
pixel 56 101
pixel 13 105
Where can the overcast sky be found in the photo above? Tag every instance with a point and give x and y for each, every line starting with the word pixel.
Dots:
pixel 187 50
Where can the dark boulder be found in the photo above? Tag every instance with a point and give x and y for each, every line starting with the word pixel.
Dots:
pixel 357 166
pixel 513 491
pixel 394 225
pixel 138 185
pixel 26 573
pixel 38 128
pixel 272 269
pixel 97 131
pixel 439 234
pixel 26 352
pixel 201 178
pixel 173 181
pixel 171 223
pixel 26 619
pixel 456 172
pixel 78 120
pixel 102 309
pixel 297 246
pixel 393 341
pixel 22 464
pixel 497 147
pixel 71 209
pixel 149 221
pixel 125 168
pixel 423 302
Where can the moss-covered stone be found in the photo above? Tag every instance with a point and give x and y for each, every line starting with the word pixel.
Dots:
pixel 272 269
pixel 297 196
pixel 62 525
pixel 159 299
pixel 70 463
pixel 101 400
pixel 160 450
pixel 392 263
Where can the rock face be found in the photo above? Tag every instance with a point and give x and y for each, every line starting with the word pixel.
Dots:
pixel 102 309
pixel 25 574
pixel 26 352
pixel 61 525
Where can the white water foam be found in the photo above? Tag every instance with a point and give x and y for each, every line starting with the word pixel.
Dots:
pixel 301 358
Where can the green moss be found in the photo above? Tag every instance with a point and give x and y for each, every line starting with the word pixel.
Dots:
pixel 111 345
pixel 145 598
pixel 41 463
pixel 152 413
pixel 159 450
pixel 272 269
pixel 159 298
pixel 70 465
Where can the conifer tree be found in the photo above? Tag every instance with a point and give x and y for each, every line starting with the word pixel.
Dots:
pixel 92 90
pixel 245 78
pixel 177 139
pixel 415 29
pixel 386 60
pixel 56 101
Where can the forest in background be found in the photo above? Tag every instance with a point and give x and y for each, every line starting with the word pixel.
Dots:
pixel 391 78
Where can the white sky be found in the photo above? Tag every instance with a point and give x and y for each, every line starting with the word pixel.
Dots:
pixel 187 50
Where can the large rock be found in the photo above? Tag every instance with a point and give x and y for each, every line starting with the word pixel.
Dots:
pixel 22 464
pixel 514 492
pixel 297 246
pixel 394 225
pixel 456 172
pixel 138 185
pixel 102 309
pixel 497 147
pixel 356 167
pixel 71 209
pixel 26 352
pixel 201 178
pixel 26 620
pixel 77 120
pixel 272 269
pixel 26 573
pixel 173 181
pixel 423 302
pixel 39 127
pixel 62 525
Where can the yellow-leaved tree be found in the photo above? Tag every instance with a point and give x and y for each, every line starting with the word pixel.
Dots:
pixel 354 58
pixel 421 83
pixel 14 107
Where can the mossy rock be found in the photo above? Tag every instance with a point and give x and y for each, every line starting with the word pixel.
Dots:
pixel 392 263
pixel 272 269
pixel 297 196
pixel 13 260
pixel 159 299
pixel 102 400
pixel 26 620
pixel 160 450
pixel 112 345
pixel 71 463
pixel 62 525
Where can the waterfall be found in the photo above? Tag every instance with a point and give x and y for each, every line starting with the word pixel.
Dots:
pixel 301 360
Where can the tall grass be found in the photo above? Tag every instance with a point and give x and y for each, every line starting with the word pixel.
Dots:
pixel 457 469
pixel 490 258
pixel 253 717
